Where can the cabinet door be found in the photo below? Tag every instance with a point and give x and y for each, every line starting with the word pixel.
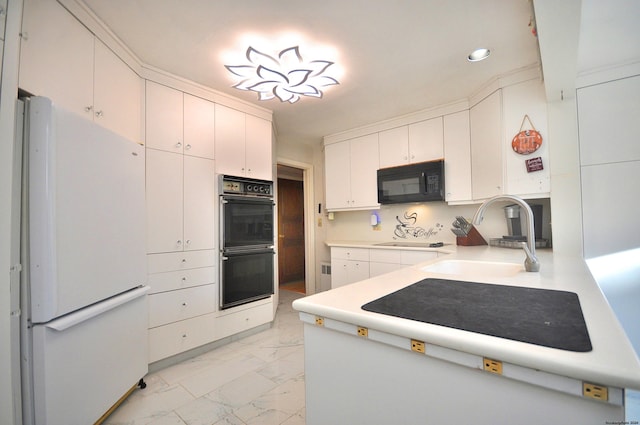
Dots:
pixel 425 140
pixel 199 201
pixel 230 141
pixel 357 271
pixel 364 167
pixel 56 56
pixel 486 147
pixel 164 201
pixel 117 94
pixel 394 147
pixel 258 148
pixel 337 175
pixel 199 127
pixel 339 274
pixel 164 118
pixel 457 157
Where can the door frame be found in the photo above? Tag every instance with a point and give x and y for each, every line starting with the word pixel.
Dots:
pixel 309 239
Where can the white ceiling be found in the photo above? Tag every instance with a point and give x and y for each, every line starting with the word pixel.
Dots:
pixel 397 56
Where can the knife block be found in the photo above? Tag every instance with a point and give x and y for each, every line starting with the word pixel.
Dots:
pixel 473 238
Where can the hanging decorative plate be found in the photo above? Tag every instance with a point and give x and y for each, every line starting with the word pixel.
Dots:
pixel 526 141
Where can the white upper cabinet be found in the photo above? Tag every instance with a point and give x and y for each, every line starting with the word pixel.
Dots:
pixel 457 157
pixel 418 142
pixel 164 197
pixel 426 140
pixel 180 202
pixel 486 147
pixel 164 109
pixel 394 147
pixel 337 158
pixel 56 56
pixel 117 94
pixel 179 122
pixel 258 157
pixel 62 60
pixel 605 116
pixel 243 144
pixel 199 127
pixel 351 173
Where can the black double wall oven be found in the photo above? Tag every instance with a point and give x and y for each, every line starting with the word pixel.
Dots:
pixel 246 240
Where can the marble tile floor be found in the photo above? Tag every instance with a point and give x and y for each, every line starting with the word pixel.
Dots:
pixel 255 380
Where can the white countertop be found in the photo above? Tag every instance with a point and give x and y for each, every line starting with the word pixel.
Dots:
pixel 612 361
pixel 411 246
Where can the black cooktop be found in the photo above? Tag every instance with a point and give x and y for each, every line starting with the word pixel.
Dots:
pixel 549 318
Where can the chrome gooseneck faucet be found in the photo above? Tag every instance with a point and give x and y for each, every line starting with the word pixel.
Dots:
pixel 531 263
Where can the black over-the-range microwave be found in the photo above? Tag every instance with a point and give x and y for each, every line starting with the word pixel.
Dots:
pixel 421 182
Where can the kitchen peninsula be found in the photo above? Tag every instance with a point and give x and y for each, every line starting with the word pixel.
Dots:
pixel 366 367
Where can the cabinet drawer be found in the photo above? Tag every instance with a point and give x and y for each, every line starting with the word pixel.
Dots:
pixel 180 279
pixel 172 306
pixel 385 256
pixel 233 323
pixel 174 338
pixel 415 257
pixel 361 254
pixel 170 261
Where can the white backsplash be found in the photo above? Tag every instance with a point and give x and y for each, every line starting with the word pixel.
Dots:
pixel 419 222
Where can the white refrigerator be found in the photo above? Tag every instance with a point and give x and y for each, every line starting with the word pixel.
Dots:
pixel 83 294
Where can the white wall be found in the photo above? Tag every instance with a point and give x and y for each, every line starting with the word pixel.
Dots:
pixel 432 224
pixel 9 387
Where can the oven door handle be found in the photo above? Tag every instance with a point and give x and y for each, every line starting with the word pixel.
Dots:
pixel 224 256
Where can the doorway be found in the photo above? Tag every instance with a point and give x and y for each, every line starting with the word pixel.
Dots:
pixel 291 229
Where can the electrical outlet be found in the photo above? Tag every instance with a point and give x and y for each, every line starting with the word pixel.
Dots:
pixel 319 221
pixel 319 321
pixel 364 332
pixel 493 366
pixel 598 392
pixel 417 346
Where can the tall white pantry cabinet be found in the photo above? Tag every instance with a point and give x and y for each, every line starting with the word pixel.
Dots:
pixel 182 135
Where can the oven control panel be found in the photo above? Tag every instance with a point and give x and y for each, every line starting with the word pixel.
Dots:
pixel 243 186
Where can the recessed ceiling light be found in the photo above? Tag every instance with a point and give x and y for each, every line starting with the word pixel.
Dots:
pixel 478 55
pixel 286 76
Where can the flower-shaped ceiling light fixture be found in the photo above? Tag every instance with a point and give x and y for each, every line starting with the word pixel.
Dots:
pixel 286 77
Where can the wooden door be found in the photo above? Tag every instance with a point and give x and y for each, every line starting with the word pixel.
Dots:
pixel 290 231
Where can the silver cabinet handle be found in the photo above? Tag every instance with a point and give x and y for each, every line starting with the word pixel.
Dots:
pixel 184 304
pixel 225 258
pixel 99 114
pixel 178 145
pixel 88 108
pixel 187 147
pixel 188 241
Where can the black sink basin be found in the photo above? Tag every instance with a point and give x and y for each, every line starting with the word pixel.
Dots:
pixel 543 317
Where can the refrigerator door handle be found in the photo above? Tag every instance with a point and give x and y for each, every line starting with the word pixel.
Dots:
pixel 87 313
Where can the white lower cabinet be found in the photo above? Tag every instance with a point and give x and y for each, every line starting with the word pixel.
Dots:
pixel 183 295
pixel 183 304
pixel 350 265
pixel 383 261
pixel 174 338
